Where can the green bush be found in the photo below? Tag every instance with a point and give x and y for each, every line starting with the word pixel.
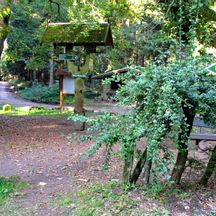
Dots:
pixel 41 93
pixel 91 94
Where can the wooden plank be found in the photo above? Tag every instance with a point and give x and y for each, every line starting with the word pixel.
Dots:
pixel 208 137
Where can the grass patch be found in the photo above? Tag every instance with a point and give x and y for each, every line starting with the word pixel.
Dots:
pixel 9 186
pixel 112 198
pixel 36 111
pixel 63 200
pixel 161 192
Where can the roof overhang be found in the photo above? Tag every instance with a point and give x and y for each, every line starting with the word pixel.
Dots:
pixel 76 34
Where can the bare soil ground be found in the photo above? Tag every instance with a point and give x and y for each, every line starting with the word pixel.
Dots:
pixel 34 149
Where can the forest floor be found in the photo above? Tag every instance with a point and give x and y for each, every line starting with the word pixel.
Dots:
pixel 34 149
pixel 62 181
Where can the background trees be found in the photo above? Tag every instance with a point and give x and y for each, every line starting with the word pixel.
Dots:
pixel 143 30
pixel 4 21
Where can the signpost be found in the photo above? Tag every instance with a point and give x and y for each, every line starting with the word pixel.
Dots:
pixel 212 68
pixel 66 57
pixel 68 86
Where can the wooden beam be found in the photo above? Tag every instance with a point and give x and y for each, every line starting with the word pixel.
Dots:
pixel 61 96
pixel 200 137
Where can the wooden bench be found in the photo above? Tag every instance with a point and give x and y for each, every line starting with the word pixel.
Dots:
pixel 201 137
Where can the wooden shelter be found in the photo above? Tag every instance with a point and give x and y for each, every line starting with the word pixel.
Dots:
pixel 110 89
pixel 88 35
pixel 70 35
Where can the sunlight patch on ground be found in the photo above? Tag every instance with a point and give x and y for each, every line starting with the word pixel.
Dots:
pixel 45 126
pixel 25 108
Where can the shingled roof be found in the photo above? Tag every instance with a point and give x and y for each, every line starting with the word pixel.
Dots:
pixel 98 34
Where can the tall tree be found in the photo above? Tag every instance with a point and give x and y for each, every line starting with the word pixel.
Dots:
pixel 4 21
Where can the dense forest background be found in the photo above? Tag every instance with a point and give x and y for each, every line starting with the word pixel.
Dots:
pixel 143 31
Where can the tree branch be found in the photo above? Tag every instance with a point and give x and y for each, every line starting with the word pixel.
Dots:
pixel 57 4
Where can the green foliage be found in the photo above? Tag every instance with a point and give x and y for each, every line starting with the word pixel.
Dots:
pixel 188 19
pixel 142 31
pixel 7 108
pixel 23 39
pixel 160 94
pixel 9 186
pixel 41 93
pixel 4 17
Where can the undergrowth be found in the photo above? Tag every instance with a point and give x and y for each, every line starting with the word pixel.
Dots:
pixel 111 198
pixel 115 198
pixel 45 94
pixel 19 84
pixel 41 93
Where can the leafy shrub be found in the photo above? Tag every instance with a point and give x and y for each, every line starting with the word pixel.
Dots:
pixel 91 94
pixel 41 93
pixel 167 99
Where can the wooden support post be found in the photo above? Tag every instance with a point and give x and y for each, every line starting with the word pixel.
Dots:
pixel 61 96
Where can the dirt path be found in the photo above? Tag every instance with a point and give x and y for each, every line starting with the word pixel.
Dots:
pixel 7 96
pixel 33 148
pixel 37 153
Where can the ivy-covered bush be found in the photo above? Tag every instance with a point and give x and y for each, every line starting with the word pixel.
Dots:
pixel 165 100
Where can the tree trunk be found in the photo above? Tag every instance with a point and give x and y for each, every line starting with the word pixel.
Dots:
pixel 147 172
pixel 209 169
pixel 126 170
pixel 1 45
pixel 51 75
pixel 128 163
pixel 179 167
pixel 34 76
pixel 79 100
pixel 138 168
